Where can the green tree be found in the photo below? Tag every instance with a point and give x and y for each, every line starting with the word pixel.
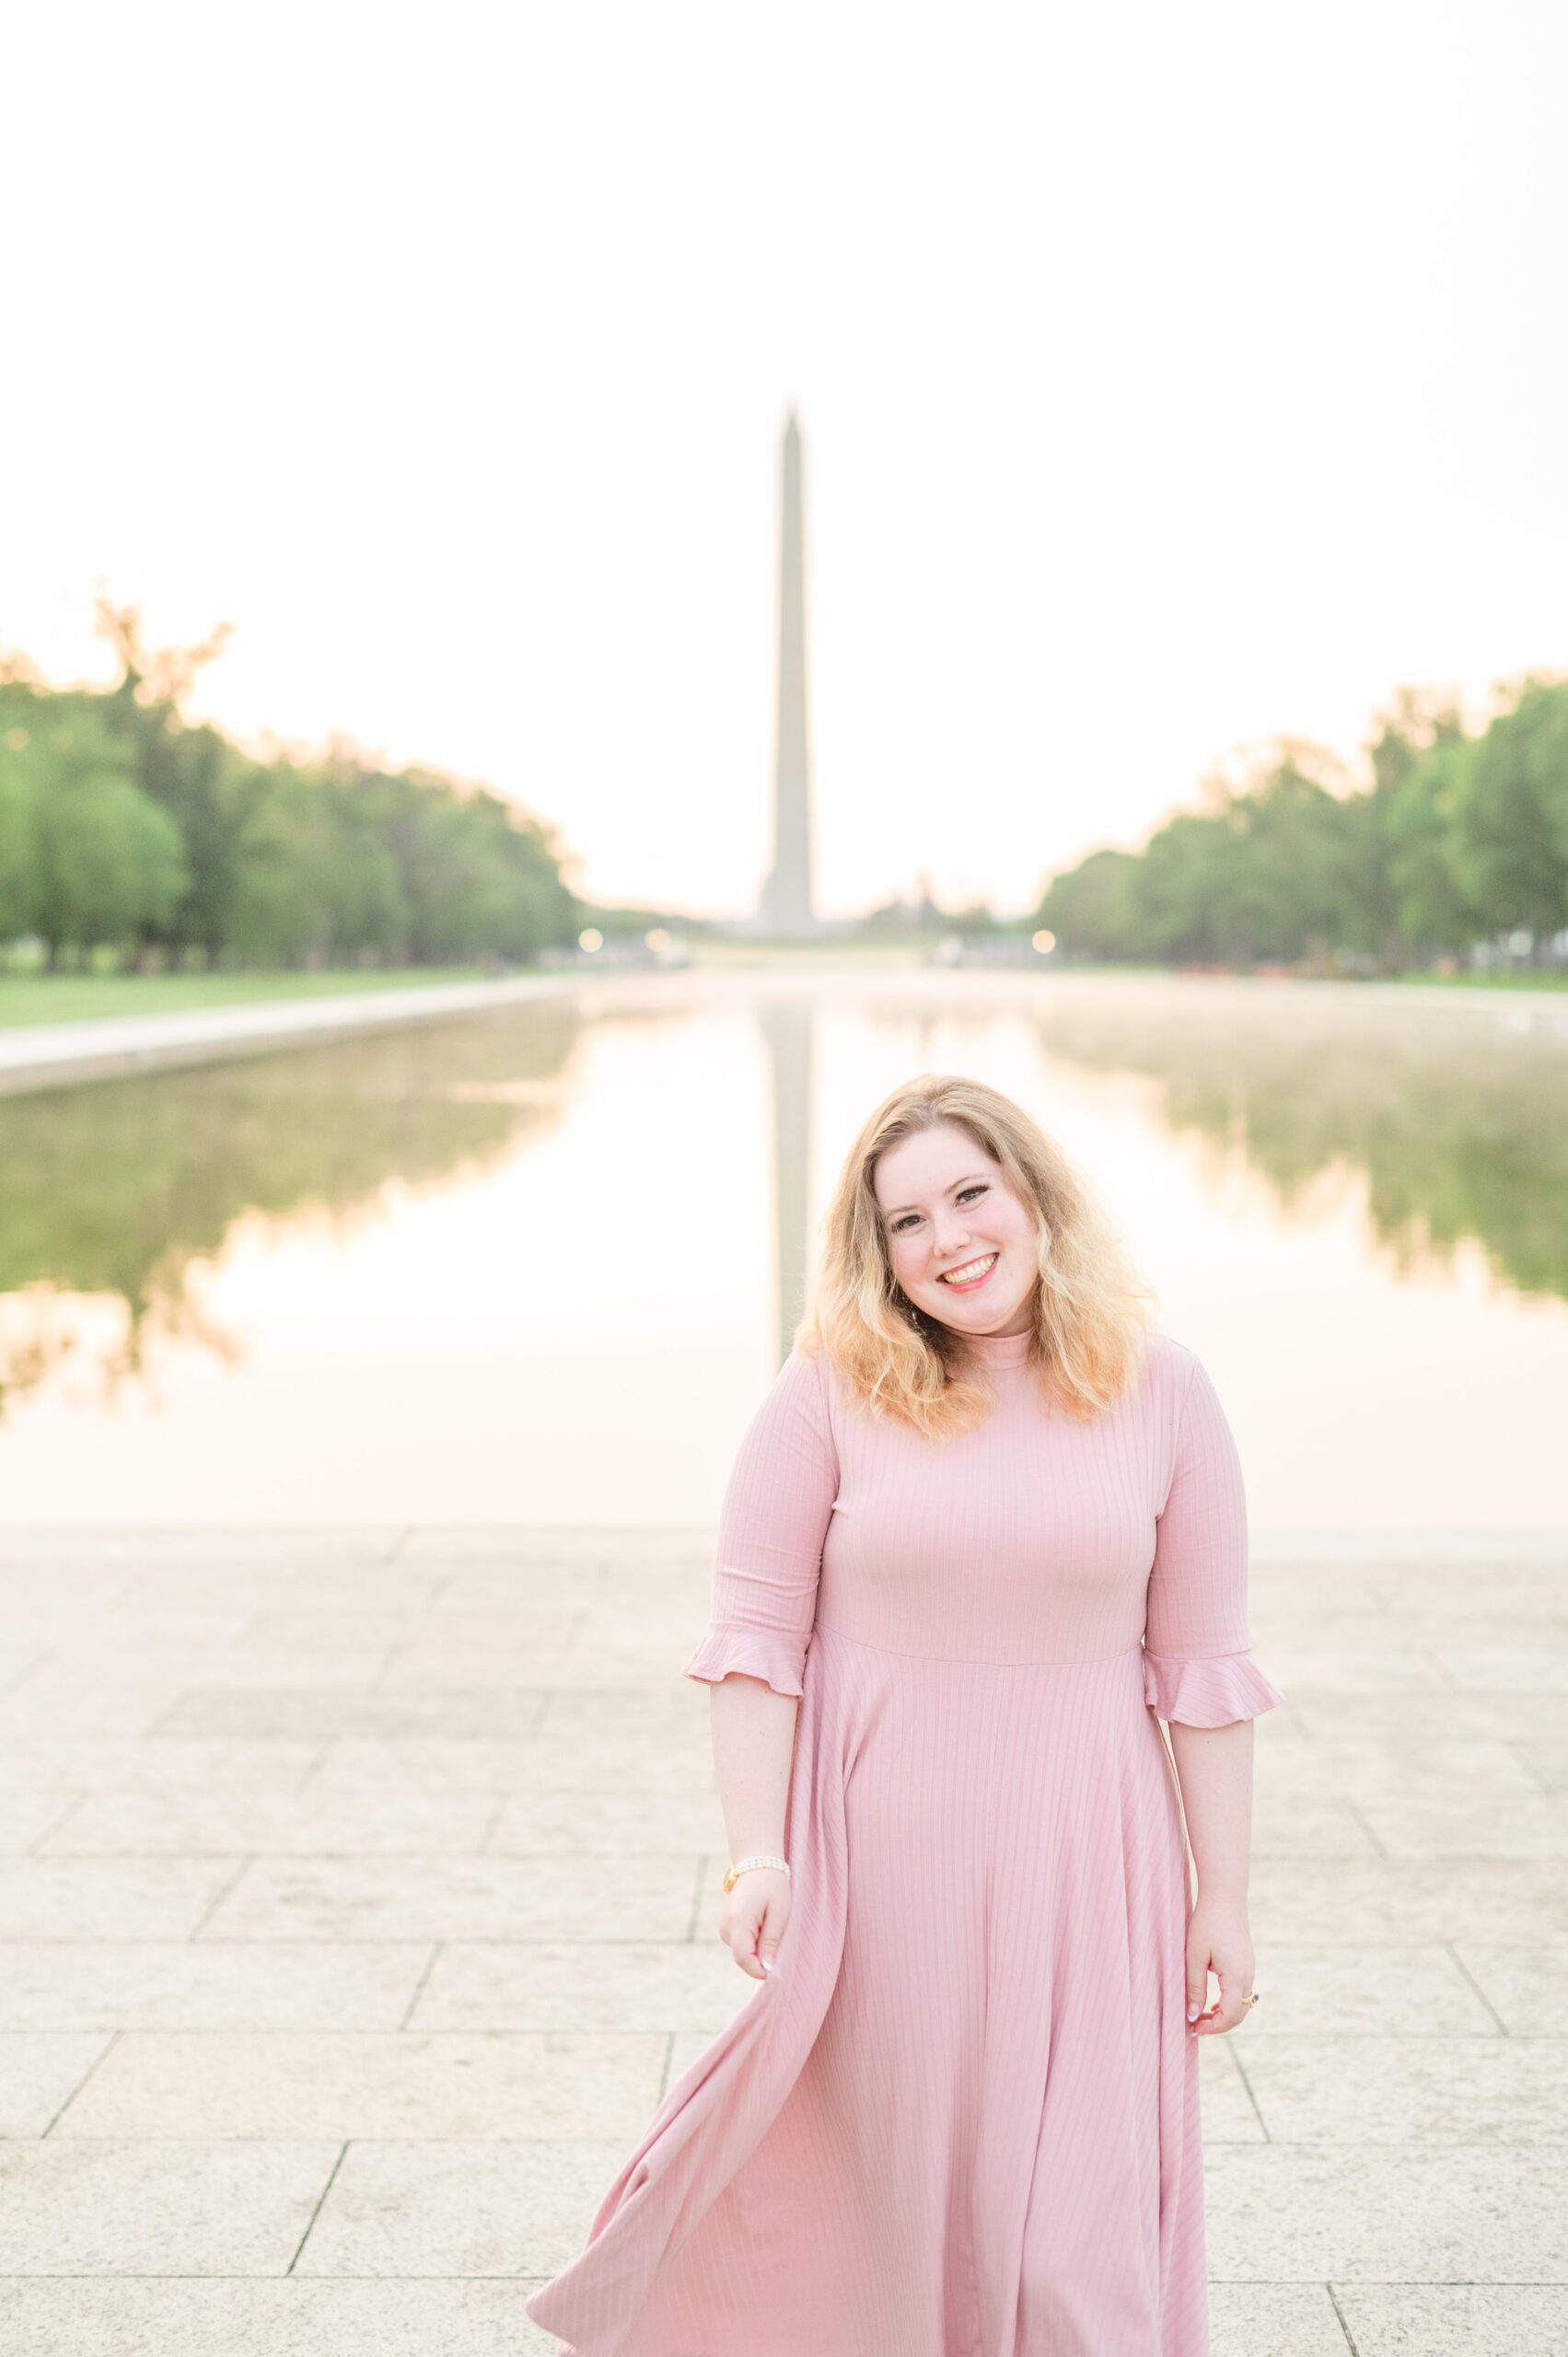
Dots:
pixel 1433 912
pixel 1185 909
pixel 477 873
pixel 1093 908
pixel 19 830
pixel 202 781
pixel 97 859
pixel 220 855
pixel 1510 816
pixel 316 884
pixel 1296 877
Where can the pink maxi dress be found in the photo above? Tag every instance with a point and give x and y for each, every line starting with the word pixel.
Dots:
pixel 960 2119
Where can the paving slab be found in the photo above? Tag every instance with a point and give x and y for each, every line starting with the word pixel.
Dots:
pixel 40 2070
pixel 1309 1825
pixel 108 1659
pixel 288 1586
pixel 1313 1630
pixel 1401 1899
pixel 439 1897
pixel 51 1706
pixel 1473 1825
pixel 1456 2319
pixel 129 2206
pixel 613 1765
pixel 1430 1720
pixel 562 1664
pixel 1525 1988
pixel 1364 1768
pixel 1371 1989
pixel 398 2318
pixel 1408 2091
pixel 89 1763
pixel 204 1984
pixel 267 2084
pixel 1547 1762
pixel 496 2206
pixel 1273 2320
pixel 1383 2213
pixel 320 1711
pixel 603 1824
pixel 29 1817
pixel 584 1985
pixel 334 1824
pixel 110 1899
pixel 413 1623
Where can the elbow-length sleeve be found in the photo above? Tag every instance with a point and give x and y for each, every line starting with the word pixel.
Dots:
pixel 1198 1662
pixel 773 1522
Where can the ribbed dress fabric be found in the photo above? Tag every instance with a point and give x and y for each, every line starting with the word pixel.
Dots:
pixel 961 2118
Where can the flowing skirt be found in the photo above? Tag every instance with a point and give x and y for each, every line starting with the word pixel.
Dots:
pixel 961 2118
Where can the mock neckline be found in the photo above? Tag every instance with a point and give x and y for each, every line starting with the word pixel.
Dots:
pixel 1000 1350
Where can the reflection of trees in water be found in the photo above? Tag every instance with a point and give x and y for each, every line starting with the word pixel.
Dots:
pixel 109 1192
pixel 1461 1125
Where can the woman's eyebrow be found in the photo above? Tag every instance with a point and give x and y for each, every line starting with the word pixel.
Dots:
pixel 953 1189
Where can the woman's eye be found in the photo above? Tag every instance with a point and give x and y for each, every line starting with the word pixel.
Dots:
pixel 980 1188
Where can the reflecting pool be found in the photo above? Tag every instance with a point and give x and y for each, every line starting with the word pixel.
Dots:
pixel 538 1264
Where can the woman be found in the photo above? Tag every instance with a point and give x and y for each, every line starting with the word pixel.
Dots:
pixel 984 1526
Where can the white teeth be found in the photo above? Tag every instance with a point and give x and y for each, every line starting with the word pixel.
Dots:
pixel 973 1269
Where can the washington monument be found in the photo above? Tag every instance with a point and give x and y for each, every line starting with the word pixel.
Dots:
pixel 787 904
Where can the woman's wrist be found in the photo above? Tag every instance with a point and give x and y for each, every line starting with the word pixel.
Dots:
pixel 1222 1894
pixel 755 1862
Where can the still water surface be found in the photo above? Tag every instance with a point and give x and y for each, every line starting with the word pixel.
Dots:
pixel 539 1265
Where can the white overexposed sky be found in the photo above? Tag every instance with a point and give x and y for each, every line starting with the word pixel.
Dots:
pixel 1169 377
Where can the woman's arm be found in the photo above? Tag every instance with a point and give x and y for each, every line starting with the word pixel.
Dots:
pixel 1201 1677
pixel 753 1731
pixel 768 1561
pixel 1213 1767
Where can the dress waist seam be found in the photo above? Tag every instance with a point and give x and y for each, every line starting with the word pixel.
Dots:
pixel 975 1661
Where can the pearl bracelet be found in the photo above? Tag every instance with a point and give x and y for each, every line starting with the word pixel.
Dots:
pixel 741 1863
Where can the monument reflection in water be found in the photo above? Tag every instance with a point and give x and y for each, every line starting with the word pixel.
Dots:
pixel 540 1265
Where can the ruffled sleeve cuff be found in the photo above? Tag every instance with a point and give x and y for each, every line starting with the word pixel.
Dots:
pixel 1207 1693
pixel 754 1651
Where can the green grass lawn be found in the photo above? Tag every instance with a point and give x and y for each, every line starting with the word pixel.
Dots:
pixel 29 998
pixel 1519 977
pixel 87 998
pixel 1522 978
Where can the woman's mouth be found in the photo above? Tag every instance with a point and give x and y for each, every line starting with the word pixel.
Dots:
pixel 971 1276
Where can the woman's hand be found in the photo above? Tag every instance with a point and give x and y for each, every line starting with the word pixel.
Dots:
pixel 1218 1941
pixel 753 1919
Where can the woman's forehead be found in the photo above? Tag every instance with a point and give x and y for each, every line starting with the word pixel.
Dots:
pixel 947 1156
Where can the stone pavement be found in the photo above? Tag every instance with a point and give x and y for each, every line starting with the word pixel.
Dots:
pixel 360 1893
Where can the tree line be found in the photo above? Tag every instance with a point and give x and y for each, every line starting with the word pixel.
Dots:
pixel 126 828
pixel 1457 850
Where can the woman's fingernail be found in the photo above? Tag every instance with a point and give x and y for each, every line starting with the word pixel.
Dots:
pixel 1192 2012
pixel 766 1966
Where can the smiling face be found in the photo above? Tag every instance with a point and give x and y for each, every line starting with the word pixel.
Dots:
pixel 949 1211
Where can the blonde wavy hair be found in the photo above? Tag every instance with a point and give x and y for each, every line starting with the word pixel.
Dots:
pixel 1090 1323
